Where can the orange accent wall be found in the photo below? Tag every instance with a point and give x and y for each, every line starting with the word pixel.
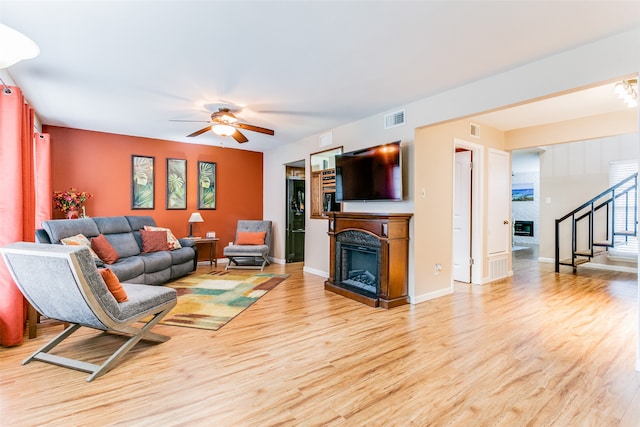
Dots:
pixel 100 163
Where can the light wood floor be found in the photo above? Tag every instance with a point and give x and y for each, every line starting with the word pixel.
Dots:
pixel 539 349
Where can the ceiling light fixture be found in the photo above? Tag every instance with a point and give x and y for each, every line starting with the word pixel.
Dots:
pixel 15 47
pixel 223 130
pixel 627 90
pixel 222 125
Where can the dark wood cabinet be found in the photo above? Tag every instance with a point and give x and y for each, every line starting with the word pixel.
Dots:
pixel 392 248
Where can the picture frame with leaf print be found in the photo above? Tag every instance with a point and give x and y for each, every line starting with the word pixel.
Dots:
pixel 142 182
pixel 176 184
pixel 206 185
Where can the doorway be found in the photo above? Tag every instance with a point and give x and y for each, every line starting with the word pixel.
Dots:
pixel 468 242
pixel 295 211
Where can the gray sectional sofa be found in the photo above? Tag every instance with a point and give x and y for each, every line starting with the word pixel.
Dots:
pixel 122 232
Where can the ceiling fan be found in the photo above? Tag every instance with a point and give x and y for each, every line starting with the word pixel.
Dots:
pixel 224 123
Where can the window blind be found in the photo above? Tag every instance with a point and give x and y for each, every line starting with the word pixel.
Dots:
pixel 624 246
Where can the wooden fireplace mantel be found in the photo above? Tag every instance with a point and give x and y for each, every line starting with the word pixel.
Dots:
pixel 392 230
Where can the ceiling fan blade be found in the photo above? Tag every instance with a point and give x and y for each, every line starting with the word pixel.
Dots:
pixel 200 132
pixel 239 136
pixel 254 128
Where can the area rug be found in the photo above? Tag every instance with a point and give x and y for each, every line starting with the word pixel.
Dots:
pixel 209 301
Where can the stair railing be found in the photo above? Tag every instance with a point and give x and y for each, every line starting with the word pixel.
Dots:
pixel 590 214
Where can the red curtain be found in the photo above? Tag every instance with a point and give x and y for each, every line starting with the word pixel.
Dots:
pixel 42 178
pixel 18 206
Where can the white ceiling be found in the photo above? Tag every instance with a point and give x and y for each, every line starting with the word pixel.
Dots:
pixel 298 67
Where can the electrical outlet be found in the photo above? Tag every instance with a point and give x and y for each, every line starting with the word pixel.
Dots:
pixel 438 269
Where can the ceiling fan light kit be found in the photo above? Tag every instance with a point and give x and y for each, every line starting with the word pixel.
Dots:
pixel 223 130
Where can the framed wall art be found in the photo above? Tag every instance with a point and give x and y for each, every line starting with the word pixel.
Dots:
pixel 522 192
pixel 206 185
pixel 142 182
pixel 176 184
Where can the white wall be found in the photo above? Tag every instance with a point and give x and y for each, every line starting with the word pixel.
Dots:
pixel 526 170
pixel 364 133
pixel 573 173
pixel 603 60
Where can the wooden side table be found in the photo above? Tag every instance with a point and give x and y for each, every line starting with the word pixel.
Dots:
pixel 208 247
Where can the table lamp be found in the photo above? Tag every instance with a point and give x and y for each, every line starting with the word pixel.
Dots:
pixel 195 217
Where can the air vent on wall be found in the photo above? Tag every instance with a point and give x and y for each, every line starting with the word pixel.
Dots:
pixel 394 119
pixel 326 139
pixel 474 130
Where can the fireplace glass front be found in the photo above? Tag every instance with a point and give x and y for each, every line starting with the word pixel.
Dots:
pixel 359 269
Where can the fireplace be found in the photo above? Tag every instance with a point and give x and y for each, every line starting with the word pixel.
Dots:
pixel 358 262
pixel 523 228
pixel 369 257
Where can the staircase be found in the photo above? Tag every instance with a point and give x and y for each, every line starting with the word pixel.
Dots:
pixel 598 224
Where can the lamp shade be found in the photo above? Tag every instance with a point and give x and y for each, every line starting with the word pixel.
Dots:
pixel 15 46
pixel 196 217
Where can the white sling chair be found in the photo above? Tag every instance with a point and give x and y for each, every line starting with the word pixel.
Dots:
pixel 63 283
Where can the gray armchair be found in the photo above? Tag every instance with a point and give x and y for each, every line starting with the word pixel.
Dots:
pixel 63 283
pixel 255 256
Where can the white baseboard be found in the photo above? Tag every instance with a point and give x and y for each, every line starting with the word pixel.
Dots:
pixel 431 295
pixel 220 261
pixel 277 260
pixel 316 272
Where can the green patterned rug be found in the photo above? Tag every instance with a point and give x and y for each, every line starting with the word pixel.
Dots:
pixel 209 301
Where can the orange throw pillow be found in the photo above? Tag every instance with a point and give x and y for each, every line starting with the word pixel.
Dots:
pixel 113 284
pixel 154 241
pixel 251 237
pixel 103 248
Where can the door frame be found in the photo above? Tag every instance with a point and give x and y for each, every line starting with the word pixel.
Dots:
pixel 298 164
pixel 477 206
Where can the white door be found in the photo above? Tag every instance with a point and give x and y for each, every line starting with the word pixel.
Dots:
pixel 499 197
pixel 462 218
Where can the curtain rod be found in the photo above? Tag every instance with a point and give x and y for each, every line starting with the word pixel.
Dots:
pixel 7 89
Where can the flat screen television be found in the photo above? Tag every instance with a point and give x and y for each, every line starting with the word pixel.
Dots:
pixel 369 174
